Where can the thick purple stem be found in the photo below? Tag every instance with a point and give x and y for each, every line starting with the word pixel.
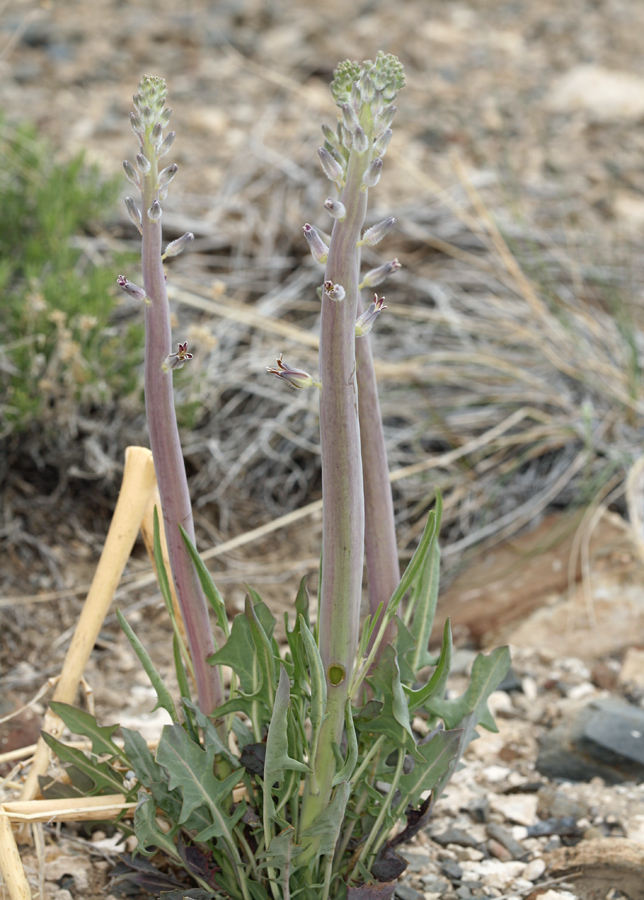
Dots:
pixel 168 458
pixel 383 569
pixel 343 513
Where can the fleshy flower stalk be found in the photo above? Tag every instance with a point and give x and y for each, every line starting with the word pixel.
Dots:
pixel 350 162
pixel 147 123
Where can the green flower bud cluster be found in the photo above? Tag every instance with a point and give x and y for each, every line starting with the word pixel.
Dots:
pixel 364 93
pixel 385 76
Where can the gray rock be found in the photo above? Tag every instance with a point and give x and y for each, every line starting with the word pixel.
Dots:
pixel 554 803
pixel 464 893
pixel 478 809
pixel 434 884
pixel 455 836
pixel 452 870
pixel 417 861
pixel 605 739
pixel 511 682
pixel 404 892
pixel 504 837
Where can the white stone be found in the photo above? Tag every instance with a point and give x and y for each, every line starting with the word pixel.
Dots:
pixel 76 866
pixel 519 808
pixel 529 687
pixel 495 774
pixel 604 94
pixel 557 895
pixel 534 870
pixel 632 670
pixel 500 701
pixel 494 873
pixel 519 833
pixel 579 691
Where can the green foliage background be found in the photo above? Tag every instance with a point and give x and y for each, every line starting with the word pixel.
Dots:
pixel 59 352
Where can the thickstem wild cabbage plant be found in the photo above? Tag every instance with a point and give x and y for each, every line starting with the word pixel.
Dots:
pixel 304 778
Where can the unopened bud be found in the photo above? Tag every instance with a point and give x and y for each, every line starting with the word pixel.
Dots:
pixel 131 174
pixel 147 115
pixel 165 144
pixel 164 118
pixel 137 99
pixel 155 212
pixel 166 176
pixel 356 98
pixel 381 144
pixel 137 125
pixel 364 323
pixel 376 276
pixel 372 176
pixel 319 249
pixel 385 119
pixel 349 118
pixel 178 246
pixel 143 164
pixel 178 359
pixel 133 212
pixel 157 134
pixel 368 89
pixel 330 136
pixel 360 141
pixel 297 378
pixel 132 289
pixel 332 168
pixel 334 291
pixel 377 105
pixel 375 234
pixel 335 209
pixel 346 136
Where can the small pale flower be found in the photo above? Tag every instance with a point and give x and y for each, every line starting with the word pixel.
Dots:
pixel 297 378
pixel 178 359
pixel 334 291
pixel 364 323
pixel 372 176
pixel 375 277
pixel 335 209
pixel 319 249
pixel 132 289
pixel 375 234
pixel 176 247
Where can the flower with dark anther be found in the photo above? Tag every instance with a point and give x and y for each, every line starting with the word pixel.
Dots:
pixel 319 249
pixel 375 277
pixel 297 378
pixel 132 289
pixel 364 323
pixel 334 291
pixel 178 359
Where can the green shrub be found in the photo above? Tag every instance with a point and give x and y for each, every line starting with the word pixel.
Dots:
pixel 59 354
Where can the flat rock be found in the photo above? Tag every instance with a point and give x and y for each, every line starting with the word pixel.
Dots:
pixel 503 837
pixel 605 95
pixel 602 864
pixel 605 739
pixel 632 671
pixel 519 808
pixel 434 884
pixel 452 869
pixel 455 836
pixel 404 892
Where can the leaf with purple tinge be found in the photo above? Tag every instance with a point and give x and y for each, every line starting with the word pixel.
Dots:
pixel 383 890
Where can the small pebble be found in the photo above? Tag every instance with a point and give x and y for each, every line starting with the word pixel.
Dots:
pixel 434 884
pixel 498 850
pixel 455 836
pixel 534 870
pixel 98 836
pixel 452 870
pixel 63 894
pixel 404 892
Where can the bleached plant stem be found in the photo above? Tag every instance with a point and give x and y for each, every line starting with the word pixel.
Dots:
pixel 148 122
